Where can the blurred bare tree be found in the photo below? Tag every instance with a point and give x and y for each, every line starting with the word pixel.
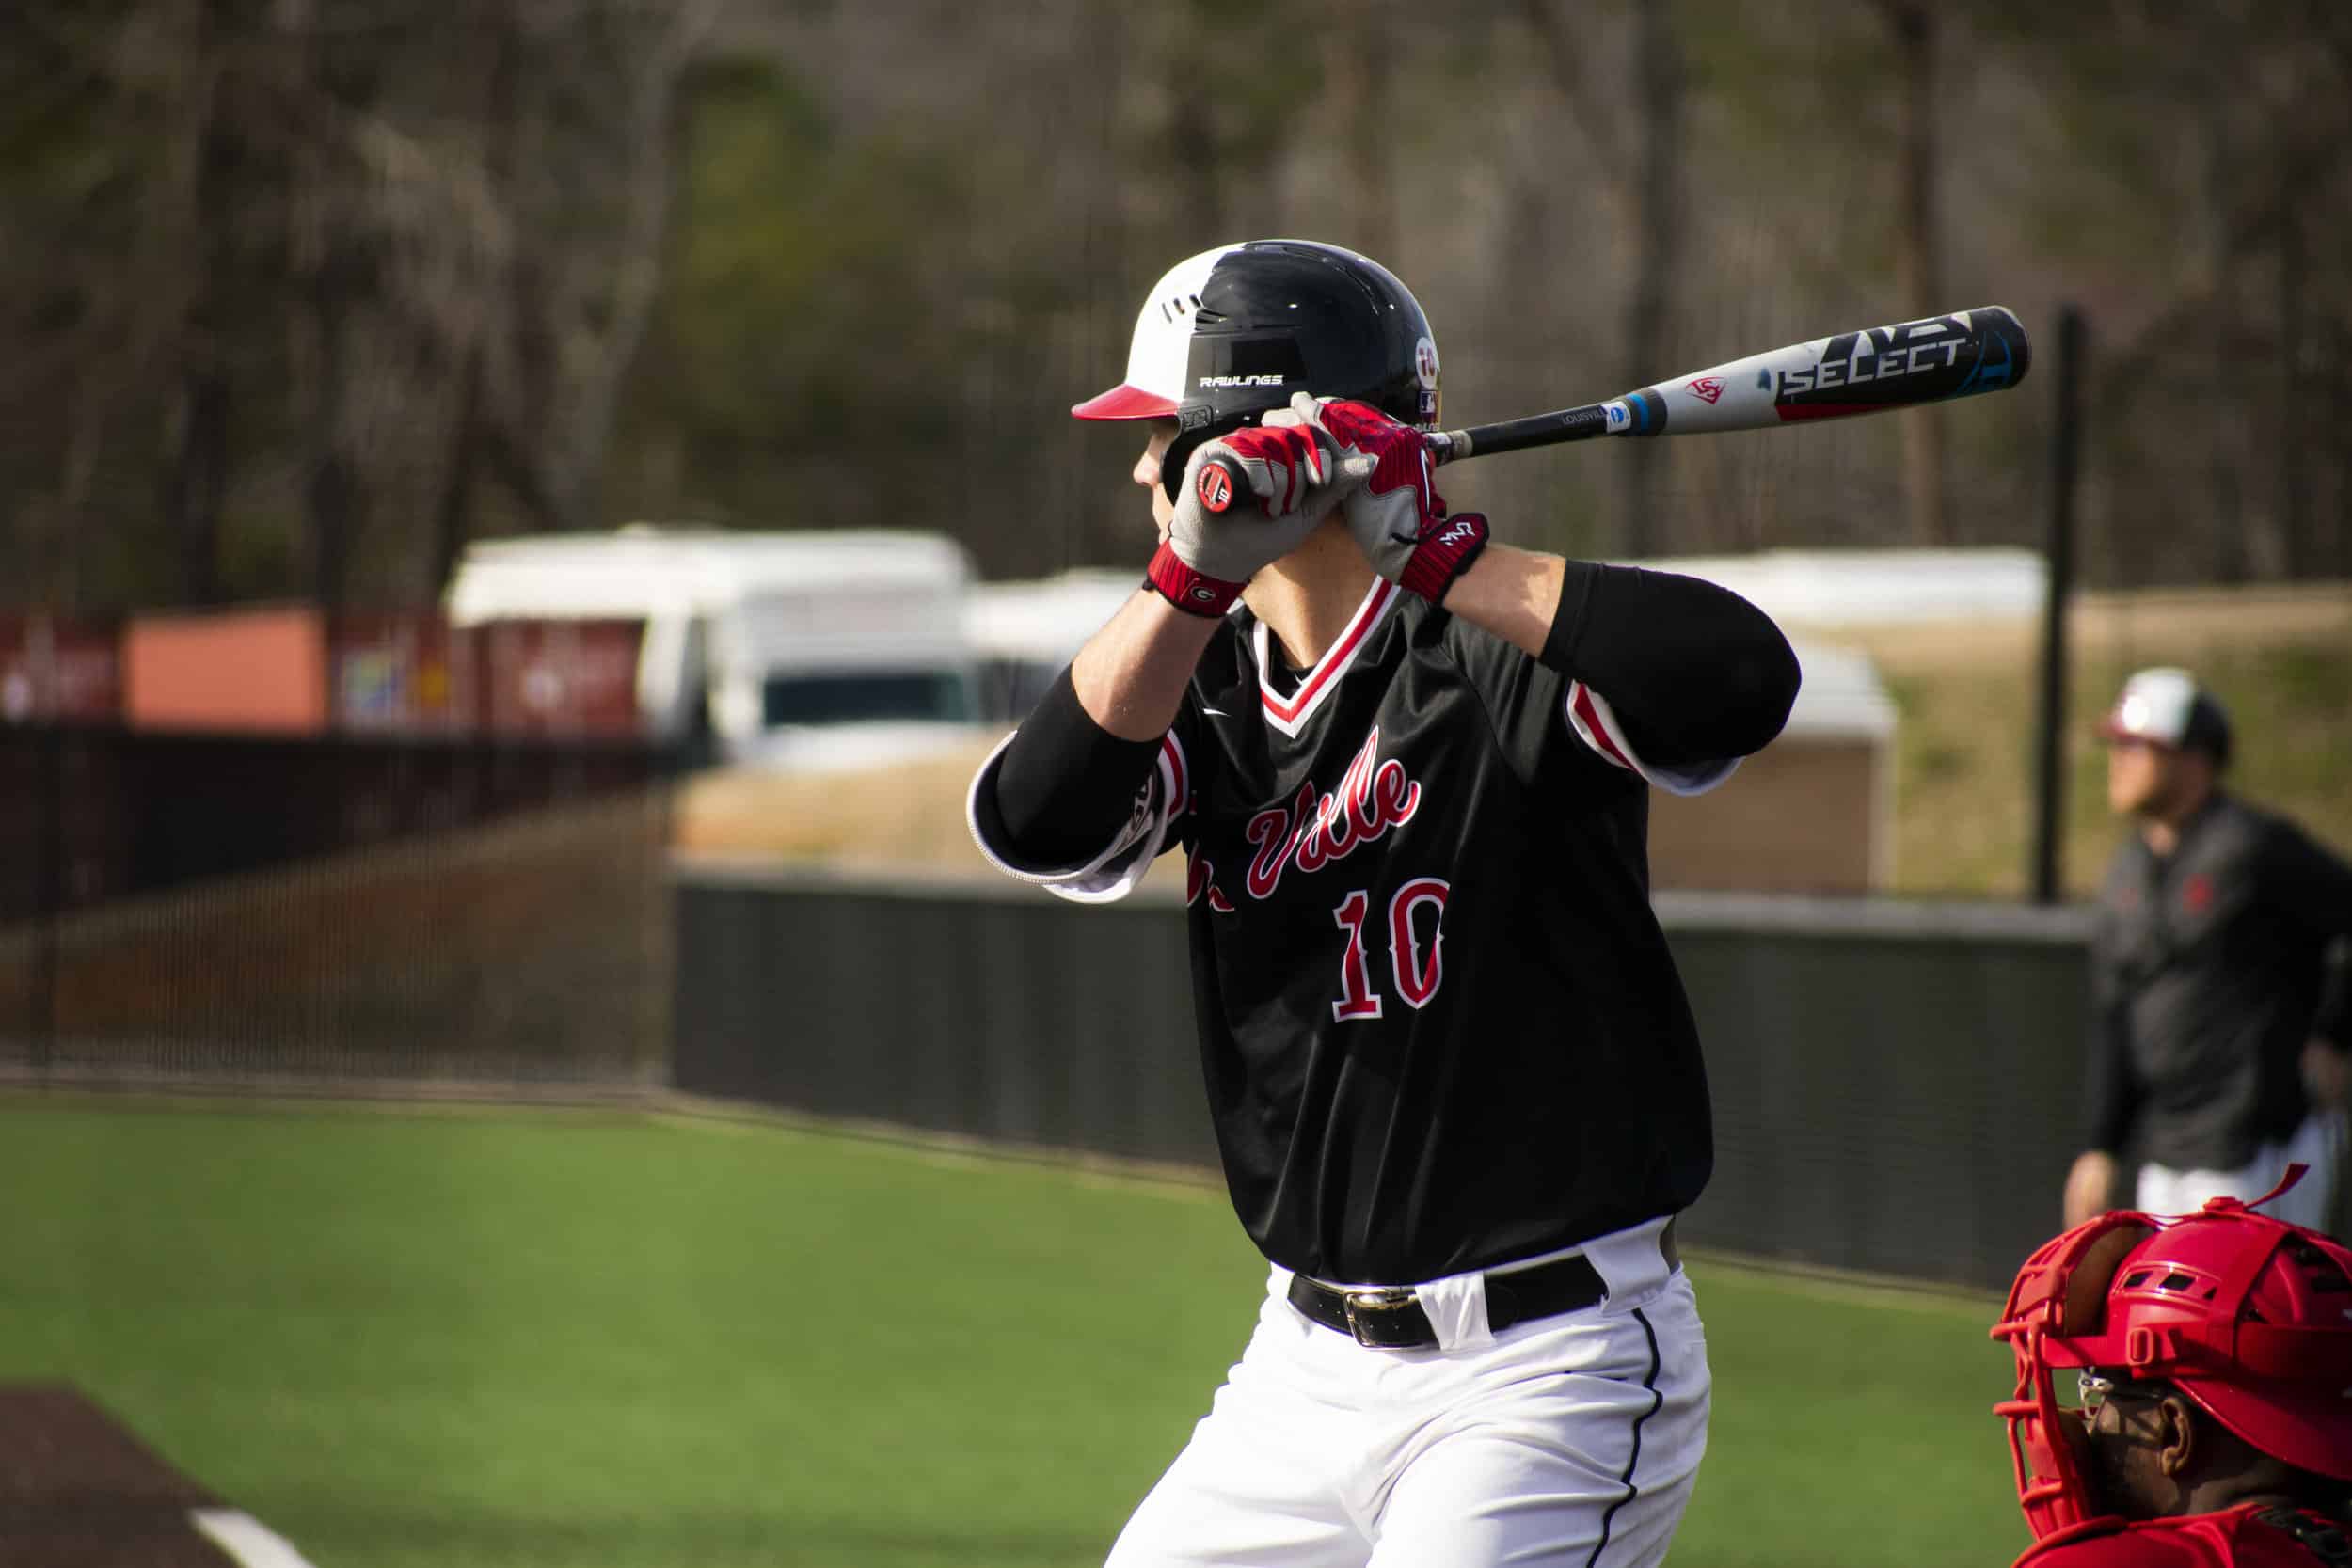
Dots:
pixel 299 295
pixel 1622 83
pixel 2220 401
pixel 1918 244
pixel 290 274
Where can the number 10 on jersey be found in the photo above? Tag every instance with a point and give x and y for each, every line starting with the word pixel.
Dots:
pixel 1417 967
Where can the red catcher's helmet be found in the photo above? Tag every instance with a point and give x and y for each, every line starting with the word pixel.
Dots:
pixel 2248 1316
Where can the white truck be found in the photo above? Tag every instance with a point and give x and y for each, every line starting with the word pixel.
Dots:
pixel 818 649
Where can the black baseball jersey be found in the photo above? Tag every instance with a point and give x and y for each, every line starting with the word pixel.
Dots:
pixel 1440 1026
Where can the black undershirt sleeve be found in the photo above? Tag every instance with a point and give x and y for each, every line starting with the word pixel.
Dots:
pixel 1065 784
pixel 1694 673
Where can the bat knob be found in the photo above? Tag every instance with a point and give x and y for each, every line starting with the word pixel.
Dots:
pixel 1219 485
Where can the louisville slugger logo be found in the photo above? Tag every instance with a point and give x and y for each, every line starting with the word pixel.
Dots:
pixel 1315 830
pixel 1707 388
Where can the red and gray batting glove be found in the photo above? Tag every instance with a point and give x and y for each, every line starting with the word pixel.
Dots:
pixel 1397 518
pixel 1218 538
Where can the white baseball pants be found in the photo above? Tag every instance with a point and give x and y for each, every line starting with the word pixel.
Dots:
pixel 2318 1143
pixel 1570 1440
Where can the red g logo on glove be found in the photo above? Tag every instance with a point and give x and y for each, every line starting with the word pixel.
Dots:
pixel 1214 487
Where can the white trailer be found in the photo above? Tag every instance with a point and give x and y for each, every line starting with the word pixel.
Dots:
pixel 818 648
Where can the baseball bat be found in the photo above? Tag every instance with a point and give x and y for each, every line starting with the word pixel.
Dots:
pixel 1868 371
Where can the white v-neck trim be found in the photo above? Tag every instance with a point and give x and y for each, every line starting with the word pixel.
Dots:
pixel 1290 714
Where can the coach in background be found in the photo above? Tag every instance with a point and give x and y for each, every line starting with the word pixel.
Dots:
pixel 2215 1050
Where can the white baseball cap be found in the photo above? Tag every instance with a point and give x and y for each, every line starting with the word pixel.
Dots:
pixel 2165 705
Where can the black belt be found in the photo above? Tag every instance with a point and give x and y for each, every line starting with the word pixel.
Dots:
pixel 1390 1318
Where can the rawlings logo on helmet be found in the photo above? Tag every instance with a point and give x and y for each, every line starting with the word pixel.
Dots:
pixel 2242 1313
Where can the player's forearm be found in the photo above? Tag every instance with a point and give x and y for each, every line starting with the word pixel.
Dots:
pixel 1695 673
pixel 1130 677
pixel 1510 592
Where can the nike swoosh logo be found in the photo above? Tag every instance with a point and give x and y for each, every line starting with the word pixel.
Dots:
pixel 1215 713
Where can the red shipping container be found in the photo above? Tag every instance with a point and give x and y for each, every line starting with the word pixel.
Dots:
pixel 260 668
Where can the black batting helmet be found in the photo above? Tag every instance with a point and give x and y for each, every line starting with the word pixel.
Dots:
pixel 1232 332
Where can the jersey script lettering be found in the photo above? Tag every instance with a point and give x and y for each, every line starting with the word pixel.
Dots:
pixel 1315 830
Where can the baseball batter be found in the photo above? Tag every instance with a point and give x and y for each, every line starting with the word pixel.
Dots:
pixel 1455 1084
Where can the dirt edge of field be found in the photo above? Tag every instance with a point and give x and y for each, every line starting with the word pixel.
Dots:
pixel 78 1489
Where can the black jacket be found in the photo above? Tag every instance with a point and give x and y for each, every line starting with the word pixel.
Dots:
pixel 2209 970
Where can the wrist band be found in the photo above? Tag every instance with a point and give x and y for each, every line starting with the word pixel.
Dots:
pixel 1188 590
pixel 1444 555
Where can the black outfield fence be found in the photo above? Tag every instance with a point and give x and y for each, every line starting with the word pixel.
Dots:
pixel 94 811
pixel 951 1004
pixel 1896 1085
pixel 210 908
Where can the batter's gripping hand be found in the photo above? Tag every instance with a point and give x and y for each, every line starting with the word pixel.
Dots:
pixel 1217 540
pixel 1397 518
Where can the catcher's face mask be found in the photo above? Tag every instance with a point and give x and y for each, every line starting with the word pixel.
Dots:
pixel 2058 1301
pixel 2249 1317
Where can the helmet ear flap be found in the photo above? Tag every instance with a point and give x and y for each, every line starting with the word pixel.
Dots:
pixel 1178 453
pixel 1179 456
pixel 2084 1308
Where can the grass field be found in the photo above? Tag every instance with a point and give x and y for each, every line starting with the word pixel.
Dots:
pixel 509 1339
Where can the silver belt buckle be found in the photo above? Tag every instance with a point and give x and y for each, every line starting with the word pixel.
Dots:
pixel 1368 1310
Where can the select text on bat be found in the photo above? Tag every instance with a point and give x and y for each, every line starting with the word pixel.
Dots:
pixel 1871 366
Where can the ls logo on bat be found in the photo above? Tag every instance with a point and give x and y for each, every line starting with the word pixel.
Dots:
pixel 1851 360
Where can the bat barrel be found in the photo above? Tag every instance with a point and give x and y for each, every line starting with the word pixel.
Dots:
pixel 1934 358
pixel 1965 354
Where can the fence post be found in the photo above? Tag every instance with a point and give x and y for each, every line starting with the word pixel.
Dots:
pixel 2058 549
pixel 48 854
